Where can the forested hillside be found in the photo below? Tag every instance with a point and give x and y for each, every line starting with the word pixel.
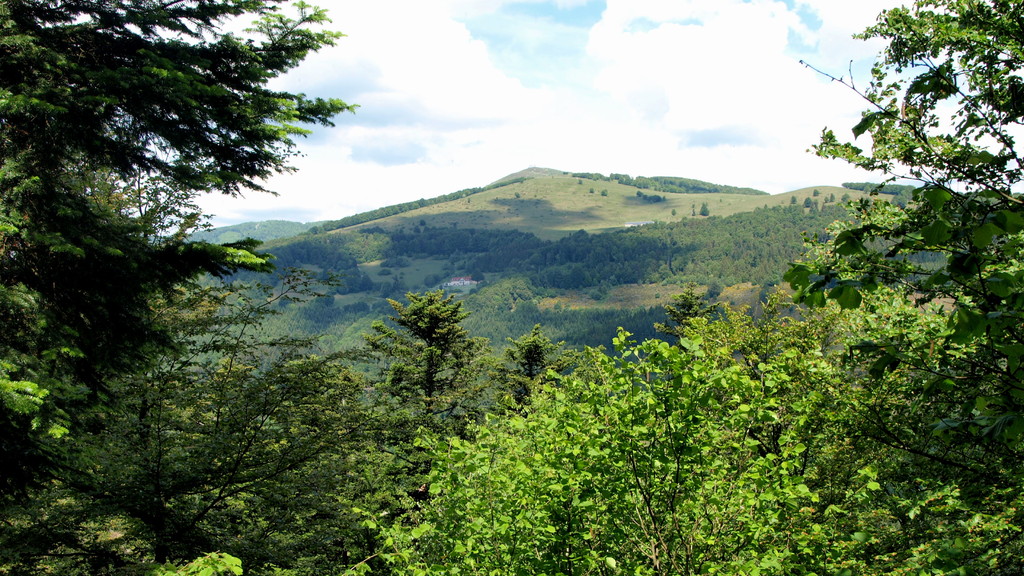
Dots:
pixel 170 406
pixel 583 271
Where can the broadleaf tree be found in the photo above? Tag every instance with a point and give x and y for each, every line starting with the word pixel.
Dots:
pixel 939 359
pixel 946 103
pixel 656 459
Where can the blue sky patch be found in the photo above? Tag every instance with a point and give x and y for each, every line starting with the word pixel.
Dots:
pixel 539 44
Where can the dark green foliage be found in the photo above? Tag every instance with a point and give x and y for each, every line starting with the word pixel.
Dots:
pixel 430 363
pixel 650 198
pixel 684 310
pixel 114 116
pixel 488 246
pixel 743 247
pixel 226 442
pixel 879 188
pixel 527 362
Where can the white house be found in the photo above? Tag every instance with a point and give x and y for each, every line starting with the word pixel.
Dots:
pixel 460 281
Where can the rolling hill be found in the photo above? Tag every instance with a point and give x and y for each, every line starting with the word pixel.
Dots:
pixel 557 249
pixel 552 204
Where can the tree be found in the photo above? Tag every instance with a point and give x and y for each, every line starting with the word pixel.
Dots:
pixel 684 309
pixel 704 211
pixel 231 441
pixel 102 103
pixel 654 460
pixel 528 360
pixel 959 241
pixel 430 362
pixel 946 101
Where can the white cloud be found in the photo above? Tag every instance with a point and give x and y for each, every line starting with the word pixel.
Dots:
pixel 708 89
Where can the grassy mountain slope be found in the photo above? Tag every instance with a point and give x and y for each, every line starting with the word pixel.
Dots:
pixel 553 205
pixel 553 248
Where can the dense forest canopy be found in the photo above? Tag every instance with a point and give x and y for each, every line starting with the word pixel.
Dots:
pixel 157 419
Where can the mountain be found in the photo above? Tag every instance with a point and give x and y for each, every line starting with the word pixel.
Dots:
pixel 263 231
pixel 579 254
pixel 552 204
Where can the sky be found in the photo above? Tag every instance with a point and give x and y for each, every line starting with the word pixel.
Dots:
pixel 455 94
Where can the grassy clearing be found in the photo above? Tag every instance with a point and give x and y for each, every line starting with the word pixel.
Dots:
pixel 415 275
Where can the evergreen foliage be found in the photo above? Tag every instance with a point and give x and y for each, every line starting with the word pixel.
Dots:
pixel 113 117
pixel 223 443
pixel 529 361
pixel 430 363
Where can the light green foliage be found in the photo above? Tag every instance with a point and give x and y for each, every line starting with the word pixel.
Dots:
pixel 938 382
pixel 212 564
pixel 946 100
pixel 660 460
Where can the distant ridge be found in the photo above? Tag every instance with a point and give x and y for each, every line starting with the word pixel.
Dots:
pixel 552 203
pixel 262 230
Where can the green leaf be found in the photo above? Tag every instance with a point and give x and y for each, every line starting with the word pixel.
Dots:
pixel 848 244
pixel 936 233
pixel 936 197
pixel 981 157
pixel 867 122
pixel 1003 284
pixel 798 275
pixel 982 235
pixel 847 296
pixel 1009 221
